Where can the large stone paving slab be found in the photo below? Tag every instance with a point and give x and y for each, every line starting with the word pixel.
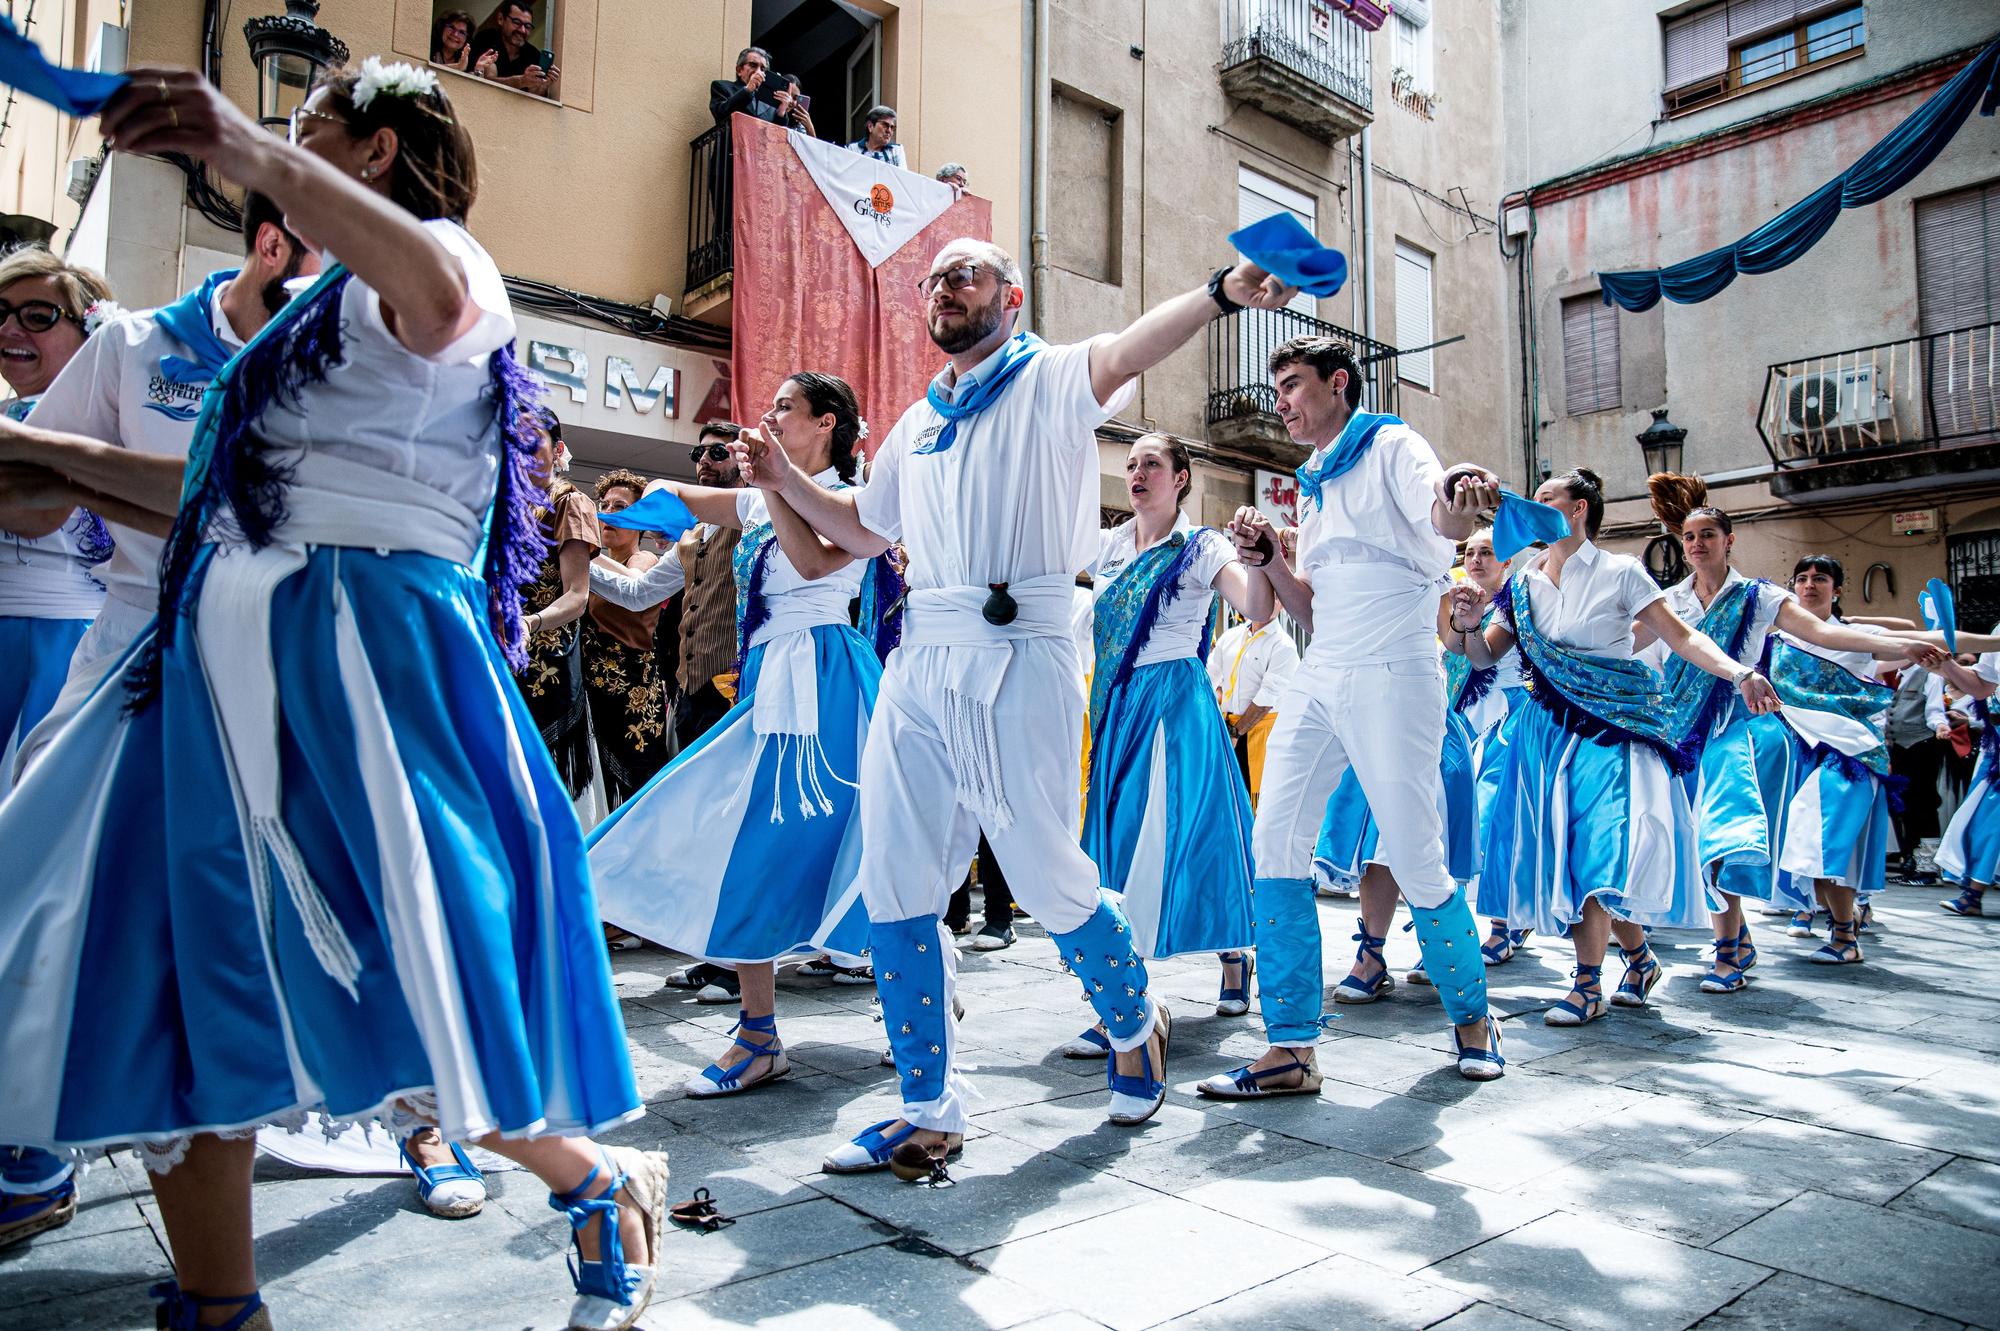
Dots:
pixel 1592 1276
pixel 1787 1302
pixel 1334 1293
pixel 1927 1264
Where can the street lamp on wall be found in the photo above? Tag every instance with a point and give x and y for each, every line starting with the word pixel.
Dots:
pixel 1663 444
pixel 290 51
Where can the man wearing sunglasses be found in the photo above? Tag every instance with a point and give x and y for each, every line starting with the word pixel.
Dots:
pixel 112 433
pixel 991 483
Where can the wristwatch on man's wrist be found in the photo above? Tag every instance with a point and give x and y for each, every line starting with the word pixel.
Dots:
pixel 1215 291
pixel 1746 673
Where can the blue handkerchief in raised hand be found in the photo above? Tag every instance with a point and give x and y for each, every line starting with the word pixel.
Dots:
pixel 1940 612
pixel 1282 247
pixel 1521 523
pixel 661 511
pixel 76 92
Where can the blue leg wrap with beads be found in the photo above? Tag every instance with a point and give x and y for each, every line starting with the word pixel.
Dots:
pixel 1449 939
pixel 1100 954
pixel 1284 924
pixel 910 976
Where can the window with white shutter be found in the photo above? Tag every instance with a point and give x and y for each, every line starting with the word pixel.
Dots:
pixel 1590 355
pixel 1958 304
pixel 1413 313
pixel 1411 51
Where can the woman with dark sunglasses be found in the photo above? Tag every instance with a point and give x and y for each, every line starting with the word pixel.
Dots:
pixel 47 594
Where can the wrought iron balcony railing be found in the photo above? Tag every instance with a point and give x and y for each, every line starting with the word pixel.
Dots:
pixel 1300 61
pixel 1239 356
pixel 1930 392
pixel 711 236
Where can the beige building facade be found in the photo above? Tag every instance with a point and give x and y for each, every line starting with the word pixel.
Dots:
pixel 1171 124
pixel 587 196
pixel 1844 404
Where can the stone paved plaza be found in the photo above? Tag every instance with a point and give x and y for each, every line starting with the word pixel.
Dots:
pixel 1820 1151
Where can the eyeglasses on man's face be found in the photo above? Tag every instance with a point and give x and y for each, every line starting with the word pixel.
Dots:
pixel 708 453
pixel 35 316
pixel 959 277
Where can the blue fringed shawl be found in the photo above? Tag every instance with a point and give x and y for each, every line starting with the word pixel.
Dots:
pixel 1602 698
pixel 227 466
pixel 751 563
pixel 1727 623
pixel 1464 686
pixel 1125 614
pixel 881 612
pixel 1804 680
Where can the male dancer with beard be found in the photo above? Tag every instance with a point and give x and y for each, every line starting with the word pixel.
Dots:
pixel 990 483
pixel 111 433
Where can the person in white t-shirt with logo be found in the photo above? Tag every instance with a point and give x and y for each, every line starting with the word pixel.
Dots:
pixel 112 431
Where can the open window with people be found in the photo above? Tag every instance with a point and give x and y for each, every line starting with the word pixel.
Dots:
pixel 511 43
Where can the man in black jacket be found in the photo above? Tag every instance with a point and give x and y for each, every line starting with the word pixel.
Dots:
pixel 745 93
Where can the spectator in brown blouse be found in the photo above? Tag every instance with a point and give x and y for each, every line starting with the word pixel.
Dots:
pixel 628 706
pixel 552 683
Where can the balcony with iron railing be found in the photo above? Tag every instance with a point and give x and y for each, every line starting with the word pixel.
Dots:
pixel 711 256
pixel 1299 61
pixel 1894 416
pixel 1242 406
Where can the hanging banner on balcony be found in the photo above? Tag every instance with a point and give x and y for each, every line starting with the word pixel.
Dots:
pixel 805 297
pixel 882 206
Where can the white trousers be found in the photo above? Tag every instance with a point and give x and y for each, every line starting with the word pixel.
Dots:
pixel 1387 721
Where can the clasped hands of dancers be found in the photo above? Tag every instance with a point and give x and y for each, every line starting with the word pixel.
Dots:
pixel 392 917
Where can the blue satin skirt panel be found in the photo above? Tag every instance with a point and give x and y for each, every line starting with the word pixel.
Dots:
pixel 34 661
pixel 1167 820
pixel 1742 788
pixel 745 847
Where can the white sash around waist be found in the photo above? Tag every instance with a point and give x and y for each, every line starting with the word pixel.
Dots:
pixel 787 697
pixel 976 666
pixel 329 503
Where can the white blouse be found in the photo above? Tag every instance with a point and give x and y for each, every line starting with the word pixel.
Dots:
pixel 1177 631
pixel 424 419
pixel 1592 610
pixel 1682 600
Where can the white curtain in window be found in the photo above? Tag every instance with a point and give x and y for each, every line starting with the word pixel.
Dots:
pixel 1413 313
pixel 1412 52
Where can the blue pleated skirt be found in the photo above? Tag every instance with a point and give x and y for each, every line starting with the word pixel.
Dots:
pixel 34 661
pixel 1836 827
pixel 1167 819
pixel 745 847
pixel 1970 851
pixel 1348 834
pixel 165 988
pixel 1574 819
pixel 1741 794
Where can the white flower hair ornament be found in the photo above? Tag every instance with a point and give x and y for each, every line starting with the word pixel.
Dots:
pixel 393 80
pixel 861 430
pixel 99 313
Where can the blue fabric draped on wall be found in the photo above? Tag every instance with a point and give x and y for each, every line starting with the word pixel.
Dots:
pixel 1880 172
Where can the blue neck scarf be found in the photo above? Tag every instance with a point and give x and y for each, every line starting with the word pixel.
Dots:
pixel 191 320
pixel 1345 455
pixel 1015 353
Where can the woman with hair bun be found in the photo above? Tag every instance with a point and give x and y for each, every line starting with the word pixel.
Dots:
pixel 1749 763
pixel 1591 836
pixel 321 863
pixel 743 850
pixel 1166 816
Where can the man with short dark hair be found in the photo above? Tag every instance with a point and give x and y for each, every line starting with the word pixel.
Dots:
pixel 747 94
pixel 506 56
pixel 879 138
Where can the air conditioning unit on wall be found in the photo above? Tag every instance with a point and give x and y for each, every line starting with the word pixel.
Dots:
pixel 1832 400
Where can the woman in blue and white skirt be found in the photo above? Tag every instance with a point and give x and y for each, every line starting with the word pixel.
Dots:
pixel 1166 816
pixel 1591 836
pixel 302 853
pixel 1750 765
pixel 1969 855
pixel 743 850
pixel 48 594
pixel 1836 837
